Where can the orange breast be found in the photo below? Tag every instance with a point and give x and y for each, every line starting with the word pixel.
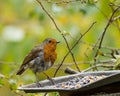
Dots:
pixel 49 54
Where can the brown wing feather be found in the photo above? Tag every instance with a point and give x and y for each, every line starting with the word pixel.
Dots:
pixel 33 54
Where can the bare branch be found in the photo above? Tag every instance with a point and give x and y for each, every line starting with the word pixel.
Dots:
pixel 59 32
pixel 9 63
pixel 103 34
pixel 81 36
pixel 70 71
pixel 102 63
pixel 112 4
pixel 99 65
pixel 110 61
pixel 115 18
pixel 66 1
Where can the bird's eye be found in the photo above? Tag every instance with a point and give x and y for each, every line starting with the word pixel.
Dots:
pixel 50 41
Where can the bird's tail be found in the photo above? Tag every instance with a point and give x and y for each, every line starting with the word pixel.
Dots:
pixel 21 70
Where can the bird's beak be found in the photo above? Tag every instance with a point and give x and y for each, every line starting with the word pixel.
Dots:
pixel 58 42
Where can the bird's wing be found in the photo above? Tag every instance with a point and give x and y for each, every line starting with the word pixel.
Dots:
pixel 33 54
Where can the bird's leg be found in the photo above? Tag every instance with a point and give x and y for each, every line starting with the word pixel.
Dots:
pixel 37 80
pixel 49 78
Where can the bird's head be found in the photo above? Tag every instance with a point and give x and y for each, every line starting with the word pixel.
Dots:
pixel 50 44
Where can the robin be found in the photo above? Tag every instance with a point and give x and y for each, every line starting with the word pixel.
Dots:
pixel 41 57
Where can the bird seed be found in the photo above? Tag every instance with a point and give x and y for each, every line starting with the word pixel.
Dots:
pixel 78 82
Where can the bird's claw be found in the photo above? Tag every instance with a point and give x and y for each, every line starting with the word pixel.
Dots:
pixel 38 84
pixel 52 81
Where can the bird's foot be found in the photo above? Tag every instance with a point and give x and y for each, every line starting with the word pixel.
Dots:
pixel 38 84
pixel 52 80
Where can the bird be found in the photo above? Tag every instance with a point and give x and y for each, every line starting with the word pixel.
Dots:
pixel 40 58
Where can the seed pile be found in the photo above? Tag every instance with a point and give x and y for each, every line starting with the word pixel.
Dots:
pixel 78 82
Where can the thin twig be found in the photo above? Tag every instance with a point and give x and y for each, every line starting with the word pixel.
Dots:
pixel 69 70
pixel 9 63
pixel 110 61
pixel 82 35
pixel 115 18
pixel 72 71
pixel 116 21
pixel 99 65
pixel 114 51
pixel 103 34
pixel 112 4
pixel 66 1
pixel 105 47
pixel 59 32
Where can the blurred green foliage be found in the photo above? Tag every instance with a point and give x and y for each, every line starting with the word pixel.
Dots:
pixel 23 24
